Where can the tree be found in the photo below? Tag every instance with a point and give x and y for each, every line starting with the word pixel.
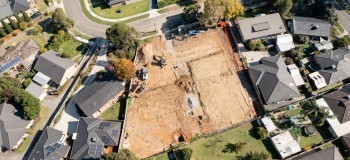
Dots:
pixel 23 26
pixel 13 23
pixel 123 37
pixel 124 69
pixel 124 154
pixel 7 27
pixel 258 156
pixel 303 39
pixel 60 21
pixel 2 33
pixel 191 12
pixel 237 147
pixel 186 153
pixel 19 19
pixel 26 82
pixel 37 29
pixel 222 9
pixel 283 7
pixel 343 42
pixel 262 132
pixel 289 61
pixel 25 16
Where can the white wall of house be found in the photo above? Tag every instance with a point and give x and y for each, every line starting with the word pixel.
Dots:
pixel 107 105
pixel 68 74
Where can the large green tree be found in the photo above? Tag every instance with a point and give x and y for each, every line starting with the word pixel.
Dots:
pixel 123 37
pixel 124 154
pixel 283 7
pixel 191 12
pixel 13 23
pixel 221 9
pixel 25 16
pixel 7 27
pixel 19 19
pixel 2 33
pixel 60 21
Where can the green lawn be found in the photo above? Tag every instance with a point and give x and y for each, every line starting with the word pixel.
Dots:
pixel 211 148
pixel 136 18
pixel 163 156
pixel 339 27
pixel 87 14
pixel 312 140
pixel 115 112
pixel 24 145
pixel 103 10
pixel 71 48
pixel 39 39
pixel 294 112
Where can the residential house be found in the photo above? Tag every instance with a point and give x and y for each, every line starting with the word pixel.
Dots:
pixel 268 123
pixel 284 42
pixel 317 80
pixel 13 127
pixel 312 27
pixel 331 153
pixel 50 146
pixel 285 144
pixel 272 81
pixel 10 7
pixel 20 56
pixel 338 105
pixel 294 71
pixel 57 68
pixel 334 65
pixel 261 27
pixel 94 138
pixel 98 96
pixel 112 3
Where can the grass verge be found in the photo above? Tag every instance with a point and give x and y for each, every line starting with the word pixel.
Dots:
pixel 24 145
pixel 118 11
pixel 78 33
pixel 340 28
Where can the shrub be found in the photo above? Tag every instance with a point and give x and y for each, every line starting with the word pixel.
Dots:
pixel 186 153
pixel 26 82
pixel 14 34
pixel 262 132
pixel 289 61
pixel 23 26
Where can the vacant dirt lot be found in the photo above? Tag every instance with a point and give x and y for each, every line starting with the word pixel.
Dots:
pixel 197 92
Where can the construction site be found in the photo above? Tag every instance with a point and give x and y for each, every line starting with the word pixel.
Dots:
pixel 184 89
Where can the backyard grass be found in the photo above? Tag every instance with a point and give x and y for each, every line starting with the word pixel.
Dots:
pixel 39 39
pixel 163 156
pixel 211 148
pixel 309 141
pixel 115 112
pixel 103 10
pixel 71 48
pixel 294 112
pixel 329 87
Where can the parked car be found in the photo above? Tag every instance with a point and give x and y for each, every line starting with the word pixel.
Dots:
pixel 313 67
pixel 144 73
pixel 35 15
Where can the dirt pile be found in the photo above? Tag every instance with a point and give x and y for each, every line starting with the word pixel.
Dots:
pixel 185 83
pixel 156 47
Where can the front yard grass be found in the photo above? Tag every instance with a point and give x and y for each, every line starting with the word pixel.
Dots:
pixel 103 10
pixel 211 148
pixel 339 27
pixel 115 112
pixel 71 48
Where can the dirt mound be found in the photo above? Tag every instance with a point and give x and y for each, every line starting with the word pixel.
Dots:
pixel 156 47
pixel 185 83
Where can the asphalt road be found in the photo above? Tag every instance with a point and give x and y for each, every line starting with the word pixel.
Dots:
pixel 344 19
pixel 84 24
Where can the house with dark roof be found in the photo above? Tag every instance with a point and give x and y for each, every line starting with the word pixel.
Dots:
pixel 10 7
pixel 334 65
pixel 57 68
pixel 95 137
pixel 273 83
pixel 338 105
pixel 331 153
pixel 98 96
pixel 20 56
pixel 112 3
pixel 312 27
pixel 13 127
pixel 50 146
pixel 261 27
pixel 345 140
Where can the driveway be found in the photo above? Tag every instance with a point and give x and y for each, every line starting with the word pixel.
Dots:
pixel 70 117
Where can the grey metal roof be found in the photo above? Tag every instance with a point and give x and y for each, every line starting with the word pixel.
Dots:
pixel 92 135
pixel 311 26
pixel 261 26
pixel 12 126
pixel 94 96
pixel 331 153
pixel 339 103
pixel 273 80
pixel 334 65
pixel 49 146
pixel 41 78
pixel 52 65
pixel 5 9
pixel 35 90
pixel 18 5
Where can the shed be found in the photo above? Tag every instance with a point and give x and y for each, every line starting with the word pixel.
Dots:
pixel 284 42
pixel 36 91
pixel 294 71
pixel 268 123
pixel 41 79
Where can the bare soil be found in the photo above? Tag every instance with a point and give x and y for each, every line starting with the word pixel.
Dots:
pixel 197 92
